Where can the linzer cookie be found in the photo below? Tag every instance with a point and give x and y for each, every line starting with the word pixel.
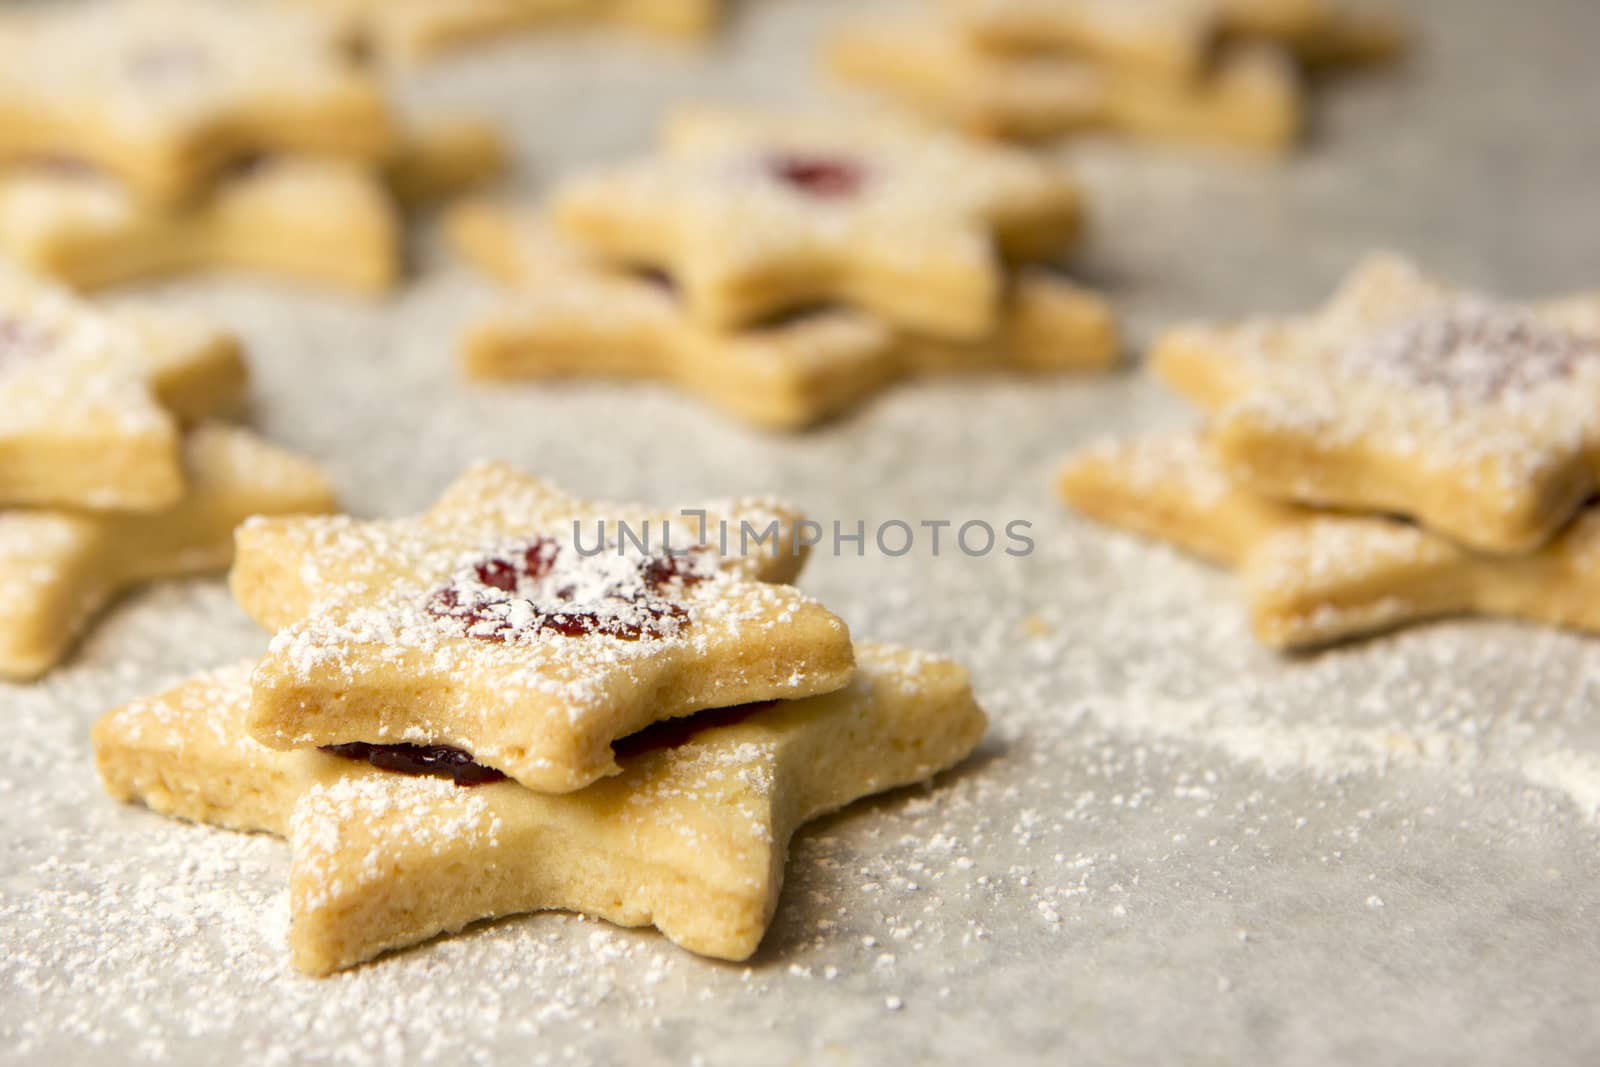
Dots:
pixel 414 29
pixel 1316 577
pixel 572 316
pixel 527 627
pixel 323 221
pixel 753 217
pixel 59 568
pixel 1248 95
pixel 85 420
pixel 393 845
pixel 164 95
pixel 1175 39
pixel 1480 419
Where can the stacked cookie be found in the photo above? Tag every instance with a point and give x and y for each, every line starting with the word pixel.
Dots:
pixel 141 139
pixel 417 29
pixel 1221 71
pixel 522 701
pixel 111 472
pixel 1406 452
pixel 784 268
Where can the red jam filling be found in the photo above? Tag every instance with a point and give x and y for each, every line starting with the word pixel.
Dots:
pixel 437 761
pixel 824 177
pixel 675 733
pixel 636 611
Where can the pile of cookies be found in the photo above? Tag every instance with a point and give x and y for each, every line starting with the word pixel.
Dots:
pixel 1408 451
pixel 418 29
pixel 112 470
pixel 521 701
pixel 1220 71
pixel 142 139
pixel 785 267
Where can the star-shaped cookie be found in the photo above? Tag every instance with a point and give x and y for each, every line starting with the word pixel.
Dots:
pixel 690 836
pixel 572 316
pixel 1479 419
pixel 1175 39
pixel 1313 577
pixel 60 568
pixel 323 221
pixel 417 29
pixel 756 216
pixel 165 94
pixel 1248 95
pixel 528 627
pixel 90 401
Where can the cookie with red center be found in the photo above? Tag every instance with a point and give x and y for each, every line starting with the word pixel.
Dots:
pixel 165 95
pixel 689 837
pixel 1312 577
pixel 416 29
pixel 1477 418
pixel 568 315
pixel 91 401
pixel 60 568
pixel 527 627
pixel 758 216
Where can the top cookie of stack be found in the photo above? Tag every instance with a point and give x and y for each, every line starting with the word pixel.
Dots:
pixel 1223 71
pixel 1409 450
pixel 143 138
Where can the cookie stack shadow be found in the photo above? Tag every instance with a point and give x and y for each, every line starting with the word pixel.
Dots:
pixel 148 139
pixel 785 267
pixel 508 704
pixel 1226 72
pixel 1407 452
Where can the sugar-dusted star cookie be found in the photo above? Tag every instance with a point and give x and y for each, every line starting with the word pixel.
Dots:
pixel 322 221
pixel 164 94
pixel 1176 39
pixel 1248 95
pixel 689 837
pixel 1316 577
pixel 570 316
pixel 1479 419
pixel 90 401
pixel 756 216
pixel 60 568
pixel 526 626
pixel 416 29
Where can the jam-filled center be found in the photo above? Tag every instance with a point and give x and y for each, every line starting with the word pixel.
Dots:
pixel 1474 351
pixel 543 587
pixel 823 177
pixel 436 761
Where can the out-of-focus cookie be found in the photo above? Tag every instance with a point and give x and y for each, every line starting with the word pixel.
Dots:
pixel 1248 95
pixel 1479 419
pixel 91 400
pixel 165 95
pixel 754 216
pixel 1313 577
pixel 60 568
pixel 418 29
pixel 570 316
